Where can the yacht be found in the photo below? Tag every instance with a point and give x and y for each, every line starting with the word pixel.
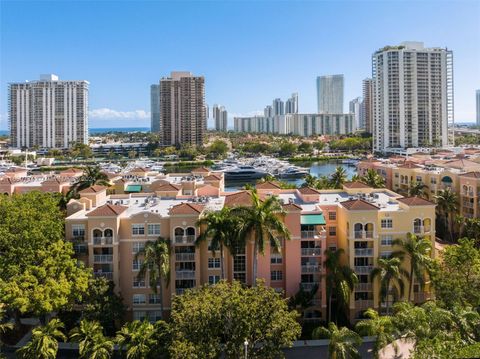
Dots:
pixel 292 172
pixel 244 172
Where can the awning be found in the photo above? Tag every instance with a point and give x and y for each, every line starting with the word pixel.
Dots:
pixel 135 188
pixel 312 219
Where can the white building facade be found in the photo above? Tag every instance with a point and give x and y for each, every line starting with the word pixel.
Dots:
pixel 48 113
pixel 330 94
pixel 412 97
pixel 355 107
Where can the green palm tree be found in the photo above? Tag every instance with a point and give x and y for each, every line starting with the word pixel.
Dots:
pixel 343 343
pixel 156 262
pixel 338 178
pixel 373 179
pixel 263 222
pixel 92 344
pixel 447 205
pixel 380 326
pixel 418 250
pixel 92 175
pixel 391 276
pixel 44 342
pixel 341 279
pixel 138 338
pixel 4 327
pixel 310 181
pixel 221 229
pixel 417 189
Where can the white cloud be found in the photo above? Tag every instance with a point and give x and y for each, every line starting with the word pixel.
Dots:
pixel 108 113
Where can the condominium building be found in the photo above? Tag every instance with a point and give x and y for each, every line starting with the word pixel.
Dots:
pixel 291 105
pixel 268 111
pixel 278 107
pixel 478 107
pixel 298 124
pixel 155 108
pixel 330 94
pixel 182 109
pixel 367 104
pixel 412 97
pixel 220 115
pixel 355 107
pixel 48 113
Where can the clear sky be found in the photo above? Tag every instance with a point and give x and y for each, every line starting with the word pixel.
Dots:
pixel 249 52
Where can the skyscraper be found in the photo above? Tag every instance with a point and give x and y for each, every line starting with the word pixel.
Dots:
pixel 48 113
pixel 155 108
pixel 291 106
pixel 412 96
pixel 182 109
pixel 478 107
pixel 330 94
pixel 221 118
pixel 355 107
pixel 268 111
pixel 367 104
pixel 278 107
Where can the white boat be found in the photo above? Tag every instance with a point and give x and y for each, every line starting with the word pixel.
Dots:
pixel 350 162
pixel 292 172
pixel 244 172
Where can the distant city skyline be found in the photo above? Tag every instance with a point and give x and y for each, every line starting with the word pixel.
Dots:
pixel 120 63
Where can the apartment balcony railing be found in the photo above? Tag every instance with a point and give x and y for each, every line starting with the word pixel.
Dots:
pixel 309 286
pixel 313 234
pixel 363 252
pixel 363 287
pixel 363 234
pixel 103 258
pixel 368 234
pixel 468 204
pixel 185 257
pixel 311 268
pixel 363 269
pixel 78 238
pixel 185 274
pixel 102 241
pixel 106 275
pixel 184 239
pixel 363 304
pixel 311 251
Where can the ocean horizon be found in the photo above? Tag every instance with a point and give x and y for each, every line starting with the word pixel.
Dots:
pixel 102 130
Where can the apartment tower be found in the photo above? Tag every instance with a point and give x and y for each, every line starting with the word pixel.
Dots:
pixel 330 94
pixel 291 106
pixel 478 107
pixel 48 113
pixel 220 115
pixel 412 97
pixel 367 104
pixel 182 109
pixel 155 108
pixel 278 107
pixel 355 107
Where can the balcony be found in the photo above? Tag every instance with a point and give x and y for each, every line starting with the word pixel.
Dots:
pixel 185 274
pixel 311 268
pixel 363 304
pixel 363 287
pixel 102 241
pixel 80 248
pixel 184 239
pixel 185 257
pixel 106 275
pixel 311 251
pixel 180 291
pixel 363 269
pixel 363 252
pixel 363 234
pixel 313 235
pixel 309 286
pixel 103 258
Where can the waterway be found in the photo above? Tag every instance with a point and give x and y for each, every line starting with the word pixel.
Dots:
pixel 318 169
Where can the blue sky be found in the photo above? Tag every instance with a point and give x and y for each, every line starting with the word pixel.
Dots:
pixel 249 52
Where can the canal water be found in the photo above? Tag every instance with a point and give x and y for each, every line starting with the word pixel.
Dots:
pixel 323 168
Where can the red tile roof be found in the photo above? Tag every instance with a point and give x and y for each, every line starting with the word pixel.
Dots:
pixel 187 208
pixel 290 207
pixel 471 175
pixel 358 205
pixel 201 169
pixel 267 185
pixel 213 177
pixel 308 190
pixel 242 198
pixel 416 201
pixel 107 210
pixel 409 164
pixel 355 184
pixel 168 187
pixel 93 189
pixel 138 169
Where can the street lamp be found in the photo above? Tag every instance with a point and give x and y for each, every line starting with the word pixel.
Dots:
pixel 245 345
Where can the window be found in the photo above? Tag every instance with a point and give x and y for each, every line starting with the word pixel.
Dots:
pixel 78 230
pixel 332 231
pixel 276 275
pixel 276 259
pixel 386 240
pixel 153 298
pixel 154 229
pixel 213 279
pixel 387 223
pixel 139 299
pixel 138 283
pixel 154 315
pixel 137 247
pixel 433 180
pixel 213 263
pixel 332 216
pixel 138 229
pixel 137 264
pixel 385 254
pixel 419 179
pixel 139 315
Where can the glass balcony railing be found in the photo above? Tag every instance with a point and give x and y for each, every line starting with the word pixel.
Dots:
pixel 309 286
pixel 363 287
pixel 102 241
pixel 363 252
pixel 185 239
pixel 107 275
pixel 311 268
pixel 311 251
pixel 184 274
pixel 103 258
pixel 363 269
pixel 185 257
